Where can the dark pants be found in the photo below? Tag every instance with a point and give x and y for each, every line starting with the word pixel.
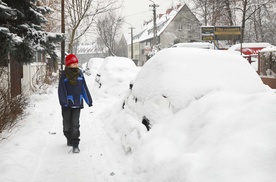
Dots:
pixel 71 124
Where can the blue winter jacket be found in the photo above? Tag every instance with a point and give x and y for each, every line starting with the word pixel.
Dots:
pixel 72 95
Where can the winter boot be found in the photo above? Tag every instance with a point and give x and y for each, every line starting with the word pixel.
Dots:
pixel 69 143
pixel 76 150
pixel 75 144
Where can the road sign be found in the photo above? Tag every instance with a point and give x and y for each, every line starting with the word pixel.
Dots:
pixel 227 33
pixel 207 37
pixel 207 33
pixel 207 30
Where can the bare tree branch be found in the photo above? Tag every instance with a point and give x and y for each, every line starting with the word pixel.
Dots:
pixel 107 29
pixel 82 14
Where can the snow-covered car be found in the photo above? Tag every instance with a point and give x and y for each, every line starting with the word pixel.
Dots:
pixel 115 75
pixel 201 45
pixel 173 79
pixel 93 65
pixel 249 48
pixel 208 114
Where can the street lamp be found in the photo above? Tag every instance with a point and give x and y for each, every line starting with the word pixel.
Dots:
pixel 131 42
pixel 131 37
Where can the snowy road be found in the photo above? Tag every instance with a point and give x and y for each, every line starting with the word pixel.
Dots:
pixel 39 151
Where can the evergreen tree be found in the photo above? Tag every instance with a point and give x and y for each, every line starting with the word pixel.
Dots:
pixel 7 40
pixel 21 30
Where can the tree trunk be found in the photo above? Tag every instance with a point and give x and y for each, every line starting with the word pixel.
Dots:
pixel 228 10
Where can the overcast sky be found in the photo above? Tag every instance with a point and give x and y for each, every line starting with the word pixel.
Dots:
pixel 136 11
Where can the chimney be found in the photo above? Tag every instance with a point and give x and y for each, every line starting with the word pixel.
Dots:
pixel 168 11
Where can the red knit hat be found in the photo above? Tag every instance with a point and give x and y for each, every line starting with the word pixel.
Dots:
pixel 71 59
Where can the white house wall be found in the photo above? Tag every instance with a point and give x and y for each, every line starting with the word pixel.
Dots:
pixel 178 29
pixel 26 80
pixel 4 79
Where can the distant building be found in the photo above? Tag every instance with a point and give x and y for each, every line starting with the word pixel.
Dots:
pixel 176 25
pixel 85 52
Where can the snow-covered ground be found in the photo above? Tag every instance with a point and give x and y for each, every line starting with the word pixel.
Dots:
pixel 221 129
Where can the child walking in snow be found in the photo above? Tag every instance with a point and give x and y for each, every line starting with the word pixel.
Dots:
pixel 72 89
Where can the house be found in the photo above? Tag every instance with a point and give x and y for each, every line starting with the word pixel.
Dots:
pixel 176 25
pixel 85 52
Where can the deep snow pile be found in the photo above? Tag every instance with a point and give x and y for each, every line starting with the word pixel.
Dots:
pixel 212 120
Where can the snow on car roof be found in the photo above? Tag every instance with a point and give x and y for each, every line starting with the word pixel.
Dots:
pixel 204 45
pixel 249 45
pixel 183 75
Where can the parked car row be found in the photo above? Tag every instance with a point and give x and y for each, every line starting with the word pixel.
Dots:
pixel 173 78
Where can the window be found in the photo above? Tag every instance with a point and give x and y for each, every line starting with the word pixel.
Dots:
pixel 189 27
pixel 180 27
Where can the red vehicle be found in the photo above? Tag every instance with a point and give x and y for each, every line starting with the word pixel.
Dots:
pixel 249 50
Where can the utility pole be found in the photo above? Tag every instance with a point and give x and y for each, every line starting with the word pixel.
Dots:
pixel 154 6
pixel 62 49
pixel 131 39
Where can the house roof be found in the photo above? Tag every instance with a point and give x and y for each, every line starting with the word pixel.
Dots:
pixel 86 49
pixel 89 49
pixel 162 22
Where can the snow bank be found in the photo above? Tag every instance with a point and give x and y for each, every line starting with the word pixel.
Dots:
pixel 221 128
pixel 222 137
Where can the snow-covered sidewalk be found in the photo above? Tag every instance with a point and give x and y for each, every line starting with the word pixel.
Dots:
pixel 37 150
pixel 215 132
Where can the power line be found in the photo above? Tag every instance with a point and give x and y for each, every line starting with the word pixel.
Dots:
pixel 142 12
